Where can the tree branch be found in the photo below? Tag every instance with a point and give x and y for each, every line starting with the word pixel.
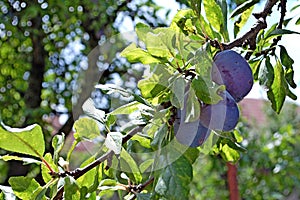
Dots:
pixel 79 172
pixel 249 38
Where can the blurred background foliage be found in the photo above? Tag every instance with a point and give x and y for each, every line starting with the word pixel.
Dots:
pixel 37 80
pixel 270 167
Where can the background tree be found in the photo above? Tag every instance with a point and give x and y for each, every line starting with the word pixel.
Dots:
pixel 43 46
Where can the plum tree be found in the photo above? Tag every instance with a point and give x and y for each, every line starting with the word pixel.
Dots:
pixel 222 116
pixel 192 134
pixel 232 70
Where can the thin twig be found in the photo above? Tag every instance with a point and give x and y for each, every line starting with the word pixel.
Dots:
pixel 79 172
pixel 249 38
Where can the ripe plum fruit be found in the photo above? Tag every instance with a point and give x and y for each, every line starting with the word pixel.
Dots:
pixel 233 71
pixel 222 116
pixel 192 134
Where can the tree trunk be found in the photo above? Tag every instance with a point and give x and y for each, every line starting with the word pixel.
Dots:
pixel 232 182
pixel 33 93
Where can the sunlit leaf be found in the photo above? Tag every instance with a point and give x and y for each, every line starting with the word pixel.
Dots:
pixel 143 141
pixel 229 154
pixel 214 14
pixel 155 83
pixel 135 55
pixel 145 165
pixel 277 92
pixel 89 179
pixel 45 171
pixel 129 108
pixel 86 128
pixel 29 140
pixel 113 142
pixel 25 187
pixel 142 30
pixel 58 142
pixel 17 158
pixel 240 23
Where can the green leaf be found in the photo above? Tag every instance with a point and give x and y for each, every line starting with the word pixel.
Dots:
pixel 191 154
pixel 179 22
pixel 143 196
pixel 25 187
pixel 239 24
pixel 29 140
pixel 143 141
pixel 214 14
pixel 45 171
pixel 57 144
pixel 277 92
pixel 128 164
pixel 136 55
pixel 206 90
pixel 156 47
pixel 110 120
pixel 173 181
pixel 224 7
pixel 192 106
pixel 177 97
pixel 142 30
pixel 113 142
pixel 196 6
pixel 243 7
pixel 288 62
pixel 86 128
pixel 156 83
pixel 130 108
pixel 23 159
pixel 159 137
pixel 255 66
pixel 278 32
pixel 71 189
pixel 89 179
pixel 203 63
pixel 145 165
pixel 229 154
pixel 266 74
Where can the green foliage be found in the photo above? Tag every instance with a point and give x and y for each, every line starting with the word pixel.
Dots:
pixel 137 154
pixel 29 141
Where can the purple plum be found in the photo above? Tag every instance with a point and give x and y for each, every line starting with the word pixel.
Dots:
pixel 233 71
pixel 222 116
pixel 192 134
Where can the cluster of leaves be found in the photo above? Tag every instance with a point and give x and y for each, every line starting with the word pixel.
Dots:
pixel 141 157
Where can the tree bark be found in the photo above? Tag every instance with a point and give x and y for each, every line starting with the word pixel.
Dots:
pixel 33 93
pixel 232 182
